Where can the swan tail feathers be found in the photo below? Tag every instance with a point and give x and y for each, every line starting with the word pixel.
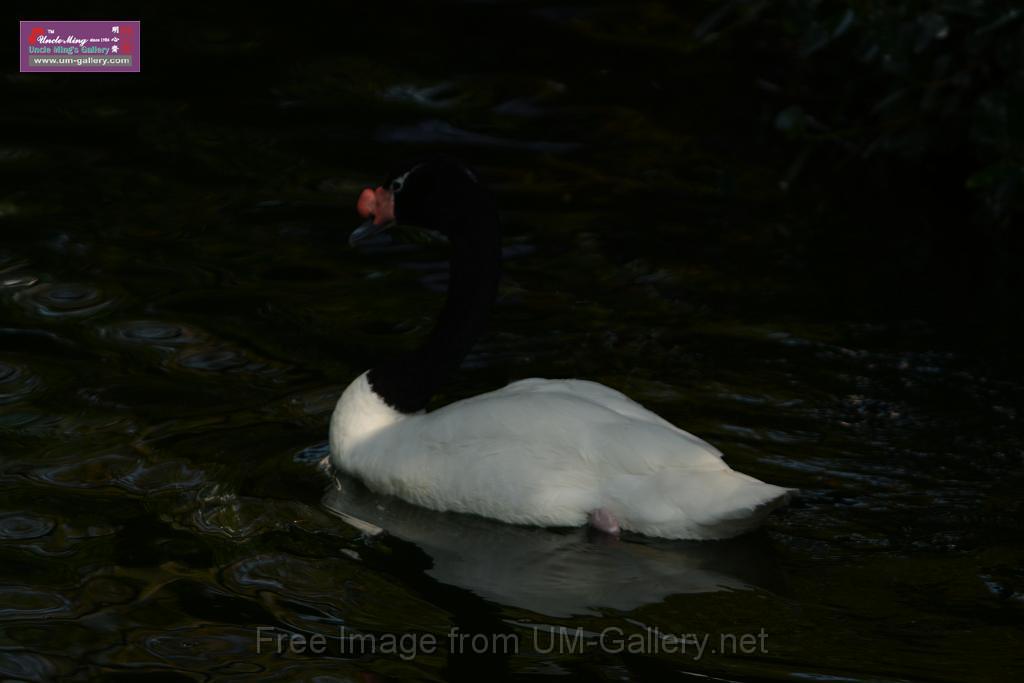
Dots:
pixel 701 505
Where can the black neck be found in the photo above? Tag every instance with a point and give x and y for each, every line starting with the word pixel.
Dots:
pixel 408 382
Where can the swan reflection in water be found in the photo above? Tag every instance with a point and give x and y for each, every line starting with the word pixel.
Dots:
pixel 555 572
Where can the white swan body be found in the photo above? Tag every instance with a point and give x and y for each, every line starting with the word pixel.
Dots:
pixel 548 453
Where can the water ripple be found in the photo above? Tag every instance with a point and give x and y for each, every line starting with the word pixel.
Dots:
pixel 22 602
pixel 309 579
pixel 26 666
pixel 63 299
pixel 243 517
pixel 316 454
pixel 23 527
pixel 16 382
pixel 205 646
pixel 153 332
pixel 13 281
pixel 131 474
pixel 438 96
pixel 191 348
pixel 213 358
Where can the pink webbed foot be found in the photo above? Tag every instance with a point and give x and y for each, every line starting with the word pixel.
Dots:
pixel 602 520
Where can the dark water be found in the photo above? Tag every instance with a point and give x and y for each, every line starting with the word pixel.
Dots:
pixel 180 311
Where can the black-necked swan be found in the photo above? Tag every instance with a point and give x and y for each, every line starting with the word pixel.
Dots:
pixel 545 452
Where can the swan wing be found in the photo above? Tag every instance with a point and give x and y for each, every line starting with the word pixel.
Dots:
pixel 603 396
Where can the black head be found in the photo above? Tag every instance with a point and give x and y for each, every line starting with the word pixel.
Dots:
pixel 439 194
pixel 443 195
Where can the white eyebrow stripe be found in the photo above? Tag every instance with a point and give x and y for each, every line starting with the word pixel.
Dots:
pixel 400 180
